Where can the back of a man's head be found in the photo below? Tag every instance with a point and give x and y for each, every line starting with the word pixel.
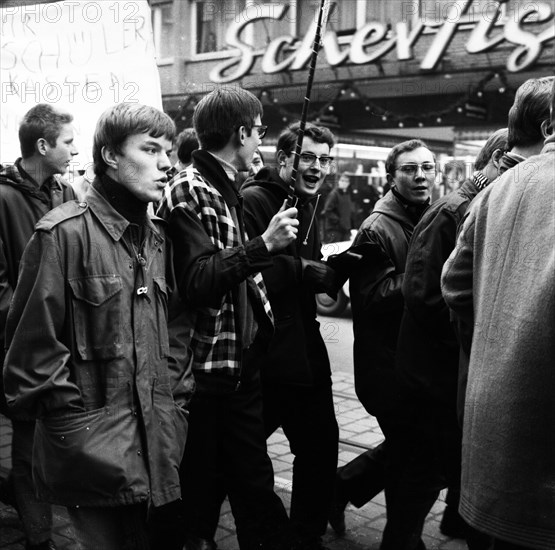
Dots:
pixel 497 141
pixel 119 122
pixel 185 143
pixel 529 110
pixel 287 140
pixel 43 121
pixel 222 112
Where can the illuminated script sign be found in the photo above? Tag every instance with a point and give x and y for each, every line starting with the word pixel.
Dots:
pixel 374 40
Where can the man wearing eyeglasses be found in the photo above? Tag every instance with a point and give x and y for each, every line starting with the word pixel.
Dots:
pixel 228 318
pixel 296 377
pixel 377 304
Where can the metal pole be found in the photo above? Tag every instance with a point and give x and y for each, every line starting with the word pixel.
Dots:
pixel 292 199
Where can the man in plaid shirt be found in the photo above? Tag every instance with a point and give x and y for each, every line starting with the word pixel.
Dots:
pixel 228 318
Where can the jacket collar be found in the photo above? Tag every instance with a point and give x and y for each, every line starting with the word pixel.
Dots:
pixel 214 173
pixel 15 175
pixel 114 223
pixel 549 145
pixel 391 206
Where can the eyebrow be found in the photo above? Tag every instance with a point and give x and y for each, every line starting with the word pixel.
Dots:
pixel 150 143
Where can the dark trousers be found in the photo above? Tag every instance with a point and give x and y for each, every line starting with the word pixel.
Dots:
pixel 361 479
pixel 307 417
pixel 424 456
pixel 226 454
pixel 109 528
pixel 36 516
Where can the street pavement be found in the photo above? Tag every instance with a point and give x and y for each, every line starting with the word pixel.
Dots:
pixel 364 526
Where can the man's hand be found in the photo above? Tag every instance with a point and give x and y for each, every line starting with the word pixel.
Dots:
pixel 321 277
pixel 282 229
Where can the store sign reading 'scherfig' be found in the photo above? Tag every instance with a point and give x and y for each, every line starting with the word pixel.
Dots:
pixel 373 41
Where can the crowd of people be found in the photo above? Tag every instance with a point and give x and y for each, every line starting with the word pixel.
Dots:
pixel 158 323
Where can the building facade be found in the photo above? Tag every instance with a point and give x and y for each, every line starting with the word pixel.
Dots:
pixel 443 70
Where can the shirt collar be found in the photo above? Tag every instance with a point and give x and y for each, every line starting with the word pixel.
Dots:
pixel 229 169
pixel 480 180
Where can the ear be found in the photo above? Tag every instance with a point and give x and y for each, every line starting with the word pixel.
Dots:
pixel 496 157
pixel 109 157
pixel 547 128
pixel 242 135
pixel 41 146
pixel 390 179
pixel 281 157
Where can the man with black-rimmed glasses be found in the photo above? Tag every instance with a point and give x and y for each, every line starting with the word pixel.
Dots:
pixel 377 305
pixel 296 377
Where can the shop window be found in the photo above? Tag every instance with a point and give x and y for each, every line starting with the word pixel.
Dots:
pixel 162 30
pixel 433 11
pixel 212 19
pixel 392 12
pixel 344 16
pixel 264 30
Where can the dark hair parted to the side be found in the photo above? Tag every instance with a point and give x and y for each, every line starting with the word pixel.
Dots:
pixel 222 112
pixel 529 110
pixel 497 140
pixel 119 122
pixel 399 149
pixel 186 142
pixel 287 140
pixel 41 121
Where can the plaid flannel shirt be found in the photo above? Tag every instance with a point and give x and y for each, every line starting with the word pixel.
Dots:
pixel 215 338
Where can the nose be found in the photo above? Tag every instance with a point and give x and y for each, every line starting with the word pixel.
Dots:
pixel 419 173
pixel 316 162
pixel 164 163
pixel 74 151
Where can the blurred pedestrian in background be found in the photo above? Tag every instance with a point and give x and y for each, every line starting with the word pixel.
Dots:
pixel 338 212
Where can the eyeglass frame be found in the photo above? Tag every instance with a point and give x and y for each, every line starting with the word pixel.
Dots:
pixel 261 129
pixel 326 164
pixel 415 166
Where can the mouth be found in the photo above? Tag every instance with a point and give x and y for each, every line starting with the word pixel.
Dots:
pixel 311 180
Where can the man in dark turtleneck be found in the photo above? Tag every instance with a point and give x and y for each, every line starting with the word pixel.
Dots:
pixel 377 304
pixel 88 347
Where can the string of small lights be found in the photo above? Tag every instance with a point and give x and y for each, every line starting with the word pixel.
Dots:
pixel 471 104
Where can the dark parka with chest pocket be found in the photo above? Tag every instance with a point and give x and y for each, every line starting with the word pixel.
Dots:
pixel 89 357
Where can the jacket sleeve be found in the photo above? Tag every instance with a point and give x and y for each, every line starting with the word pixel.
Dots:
pixel 6 293
pixel 36 366
pixel 285 271
pixel 203 272
pixel 457 284
pixel 179 328
pixel 376 287
pixel 432 242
